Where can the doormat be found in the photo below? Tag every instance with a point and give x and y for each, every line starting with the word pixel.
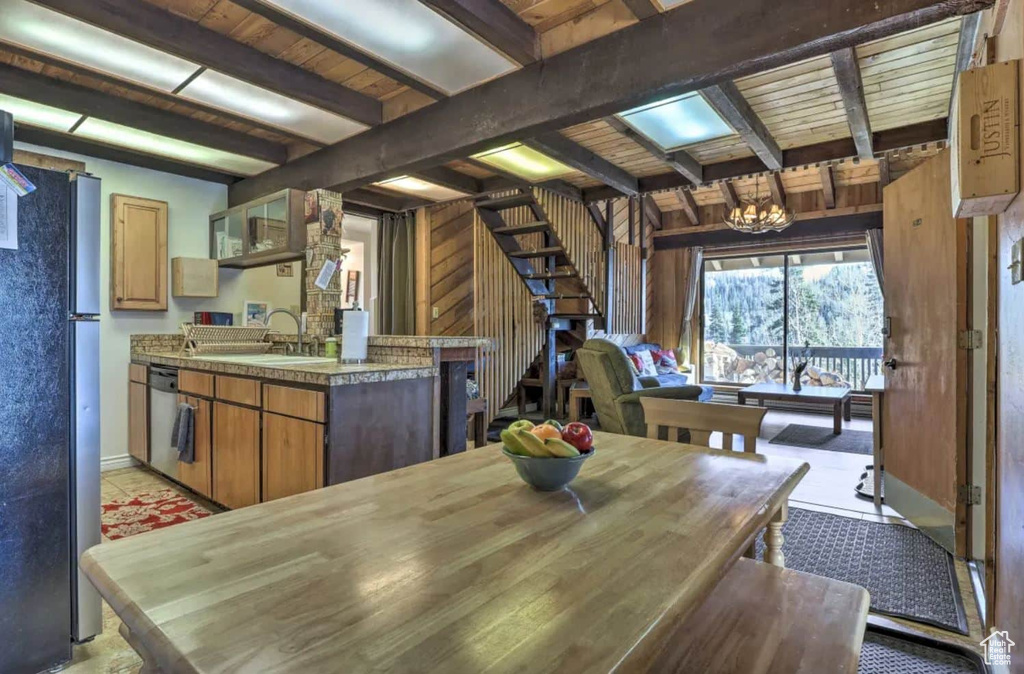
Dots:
pixel 820 437
pixel 131 515
pixel 885 651
pixel 907 574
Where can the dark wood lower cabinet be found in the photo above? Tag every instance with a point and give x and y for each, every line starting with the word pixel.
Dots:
pixel 236 455
pixel 293 456
pixel 198 475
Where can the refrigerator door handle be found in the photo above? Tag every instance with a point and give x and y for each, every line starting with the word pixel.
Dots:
pixel 85 245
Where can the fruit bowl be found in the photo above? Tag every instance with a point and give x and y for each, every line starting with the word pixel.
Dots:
pixel 547 473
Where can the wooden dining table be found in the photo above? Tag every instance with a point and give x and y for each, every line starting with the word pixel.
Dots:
pixel 451 566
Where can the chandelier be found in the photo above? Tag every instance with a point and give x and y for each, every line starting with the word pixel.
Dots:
pixel 759 215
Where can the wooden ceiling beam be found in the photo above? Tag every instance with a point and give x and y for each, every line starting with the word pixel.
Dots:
pixel 642 9
pixel 67 143
pixel 152 26
pixel 670 54
pixel 391 201
pixel 572 154
pixel 797 157
pixel 734 108
pixel 732 200
pixel 689 205
pixel 495 24
pixel 680 160
pixel 450 178
pixel 884 174
pixel 94 103
pixel 828 184
pixel 310 32
pixel 851 88
pixel 778 190
pixel 652 213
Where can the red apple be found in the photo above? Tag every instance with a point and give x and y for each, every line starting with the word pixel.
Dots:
pixel 579 436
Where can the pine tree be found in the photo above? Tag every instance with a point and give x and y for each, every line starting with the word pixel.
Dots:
pixel 715 329
pixel 739 332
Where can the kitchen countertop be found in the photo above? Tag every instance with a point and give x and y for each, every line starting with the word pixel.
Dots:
pixel 322 374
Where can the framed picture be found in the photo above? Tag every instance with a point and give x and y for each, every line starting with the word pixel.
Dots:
pixel 255 314
pixel 285 269
pixel 352 286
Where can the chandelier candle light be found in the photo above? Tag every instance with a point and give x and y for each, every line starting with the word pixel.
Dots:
pixel 759 215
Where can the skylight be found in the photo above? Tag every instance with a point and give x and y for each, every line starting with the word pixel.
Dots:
pixel 50 32
pixel 151 143
pixel 421 188
pixel 682 120
pixel 227 93
pixel 409 36
pixel 524 162
pixel 37 114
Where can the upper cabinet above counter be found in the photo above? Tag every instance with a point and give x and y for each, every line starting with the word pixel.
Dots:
pixel 266 231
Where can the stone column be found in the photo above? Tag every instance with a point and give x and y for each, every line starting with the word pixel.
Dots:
pixel 323 242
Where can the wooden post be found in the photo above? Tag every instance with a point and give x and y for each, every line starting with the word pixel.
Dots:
pixel 773 539
pixel 609 268
pixel 549 367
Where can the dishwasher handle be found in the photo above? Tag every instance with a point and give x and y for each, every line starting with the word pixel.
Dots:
pixel 163 379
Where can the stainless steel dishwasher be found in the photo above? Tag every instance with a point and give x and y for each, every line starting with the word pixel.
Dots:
pixel 163 406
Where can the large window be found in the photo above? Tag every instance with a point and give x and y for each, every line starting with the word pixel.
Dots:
pixel 824 306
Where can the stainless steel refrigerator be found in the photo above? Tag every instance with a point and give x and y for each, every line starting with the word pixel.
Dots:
pixel 49 422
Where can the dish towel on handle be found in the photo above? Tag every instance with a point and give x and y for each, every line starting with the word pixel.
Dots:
pixel 183 433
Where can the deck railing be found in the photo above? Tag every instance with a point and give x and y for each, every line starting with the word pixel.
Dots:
pixel 853 364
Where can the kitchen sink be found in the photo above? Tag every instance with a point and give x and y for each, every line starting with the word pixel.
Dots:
pixel 270 359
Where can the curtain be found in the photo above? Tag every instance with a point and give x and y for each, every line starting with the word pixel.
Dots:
pixel 693 261
pixel 396 260
pixel 874 239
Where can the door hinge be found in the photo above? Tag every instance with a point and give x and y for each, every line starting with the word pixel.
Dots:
pixel 969 494
pixel 969 339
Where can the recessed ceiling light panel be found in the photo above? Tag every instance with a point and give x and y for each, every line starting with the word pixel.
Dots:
pixel 678 121
pixel 234 95
pixel 421 188
pixel 151 143
pixel 52 33
pixel 524 162
pixel 409 36
pixel 37 114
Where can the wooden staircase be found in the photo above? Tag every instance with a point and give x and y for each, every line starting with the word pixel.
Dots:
pixel 539 257
pixel 530 241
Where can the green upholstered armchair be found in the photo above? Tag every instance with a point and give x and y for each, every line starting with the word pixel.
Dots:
pixel 616 390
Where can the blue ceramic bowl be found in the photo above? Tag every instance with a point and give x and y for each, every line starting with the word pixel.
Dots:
pixel 547 473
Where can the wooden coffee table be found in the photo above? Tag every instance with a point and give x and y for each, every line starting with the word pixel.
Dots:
pixel 839 398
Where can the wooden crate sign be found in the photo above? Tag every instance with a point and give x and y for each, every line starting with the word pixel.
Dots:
pixel 194 277
pixel 986 156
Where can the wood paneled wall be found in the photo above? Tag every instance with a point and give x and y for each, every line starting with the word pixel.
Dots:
pixel 451 269
pixel 630 290
pixel 504 312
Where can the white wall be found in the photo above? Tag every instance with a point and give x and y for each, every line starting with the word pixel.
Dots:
pixel 190 203
pixel 361 229
pixel 356 260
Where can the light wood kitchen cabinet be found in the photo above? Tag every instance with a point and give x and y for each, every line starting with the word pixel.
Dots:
pixel 138 421
pixel 236 455
pixel 138 259
pixel 293 455
pixel 198 475
pixel 194 277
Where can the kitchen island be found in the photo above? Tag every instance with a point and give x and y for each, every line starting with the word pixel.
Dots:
pixel 273 425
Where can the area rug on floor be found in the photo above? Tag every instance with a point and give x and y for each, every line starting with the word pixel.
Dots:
pixel 820 437
pixel 137 514
pixel 907 574
pixel 888 653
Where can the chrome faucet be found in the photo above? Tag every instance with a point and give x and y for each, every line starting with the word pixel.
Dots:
pixel 298 324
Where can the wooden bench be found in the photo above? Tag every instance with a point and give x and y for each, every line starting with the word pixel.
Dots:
pixel 476 411
pixel 761 619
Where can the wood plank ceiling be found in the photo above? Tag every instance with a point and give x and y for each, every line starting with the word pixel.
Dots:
pixel 906 80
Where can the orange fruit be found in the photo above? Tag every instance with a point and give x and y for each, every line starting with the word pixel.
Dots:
pixel 545 431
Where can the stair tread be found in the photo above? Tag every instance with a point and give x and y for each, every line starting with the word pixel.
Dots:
pixel 566 296
pixel 528 228
pixel 503 203
pixel 548 276
pixel 574 316
pixel 540 252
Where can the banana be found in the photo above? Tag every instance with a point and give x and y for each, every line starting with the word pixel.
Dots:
pixel 532 444
pixel 510 441
pixel 560 448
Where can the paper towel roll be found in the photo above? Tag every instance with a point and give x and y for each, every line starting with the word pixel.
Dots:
pixel 354 334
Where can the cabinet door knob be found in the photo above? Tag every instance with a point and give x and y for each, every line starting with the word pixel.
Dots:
pixel 119 299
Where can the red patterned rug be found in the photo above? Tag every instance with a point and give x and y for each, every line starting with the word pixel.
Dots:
pixel 147 511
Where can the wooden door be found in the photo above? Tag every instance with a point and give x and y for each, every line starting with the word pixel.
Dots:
pixel 198 475
pixel 138 258
pixel 925 408
pixel 138 421
pixel 236 455
pixel 293 456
